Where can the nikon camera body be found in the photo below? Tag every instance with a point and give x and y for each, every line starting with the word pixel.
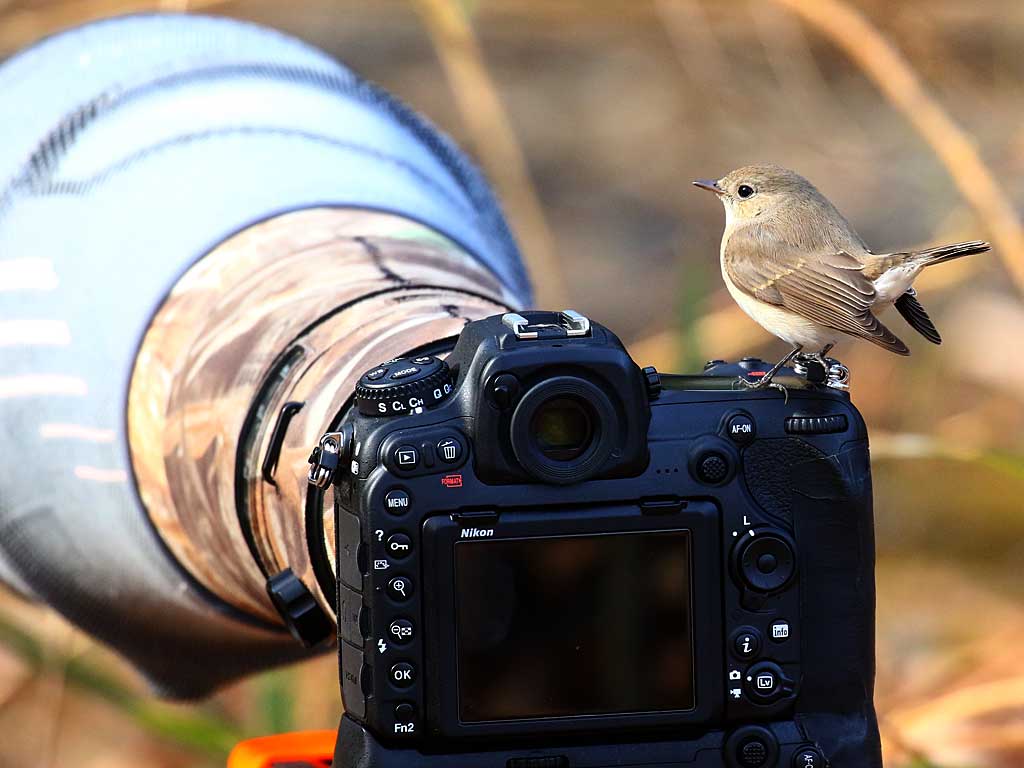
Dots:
pixel 550 558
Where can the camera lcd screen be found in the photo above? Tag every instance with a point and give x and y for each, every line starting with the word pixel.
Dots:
pixel 574 625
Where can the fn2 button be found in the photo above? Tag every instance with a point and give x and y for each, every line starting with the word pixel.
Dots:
pixel 405 719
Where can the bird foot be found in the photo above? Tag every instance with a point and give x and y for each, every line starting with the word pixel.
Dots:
pixel 764 382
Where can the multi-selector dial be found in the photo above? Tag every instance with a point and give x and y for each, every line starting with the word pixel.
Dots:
pixel 403 385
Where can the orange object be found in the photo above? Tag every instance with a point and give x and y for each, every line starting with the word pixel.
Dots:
pixel 305 748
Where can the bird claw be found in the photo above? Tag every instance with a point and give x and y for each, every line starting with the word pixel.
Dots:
pixel 782 389
pixel 763 383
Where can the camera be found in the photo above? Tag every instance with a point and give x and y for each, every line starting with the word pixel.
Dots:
pixel 548 556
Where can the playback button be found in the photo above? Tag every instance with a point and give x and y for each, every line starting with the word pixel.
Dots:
pixel 405 457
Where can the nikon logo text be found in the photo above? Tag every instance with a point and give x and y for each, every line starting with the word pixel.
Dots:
pixel 477 533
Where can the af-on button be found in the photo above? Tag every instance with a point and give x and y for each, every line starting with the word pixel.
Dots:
pixel 740 429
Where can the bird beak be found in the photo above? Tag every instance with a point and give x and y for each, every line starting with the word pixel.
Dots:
pixel 709 185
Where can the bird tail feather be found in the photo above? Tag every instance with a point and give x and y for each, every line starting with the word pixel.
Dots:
pixel 943 253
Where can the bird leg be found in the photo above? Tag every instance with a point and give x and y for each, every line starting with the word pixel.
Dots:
pixel 813 366
pixel 766 381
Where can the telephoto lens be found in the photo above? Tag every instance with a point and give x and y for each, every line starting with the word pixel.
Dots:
pixel 215 229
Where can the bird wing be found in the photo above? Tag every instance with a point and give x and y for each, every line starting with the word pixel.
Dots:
pixel 827 287
pixel 912 311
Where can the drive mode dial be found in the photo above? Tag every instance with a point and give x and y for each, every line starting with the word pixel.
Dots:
pixel 403 385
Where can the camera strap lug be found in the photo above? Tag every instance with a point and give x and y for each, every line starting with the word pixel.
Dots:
pixel 327 459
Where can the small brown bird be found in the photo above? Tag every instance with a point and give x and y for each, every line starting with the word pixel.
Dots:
pixel 797 267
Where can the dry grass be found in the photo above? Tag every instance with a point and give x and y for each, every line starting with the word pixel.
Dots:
pixel 494 140
pixel 881 61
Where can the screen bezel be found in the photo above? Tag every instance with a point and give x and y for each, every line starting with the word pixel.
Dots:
pixel 440 535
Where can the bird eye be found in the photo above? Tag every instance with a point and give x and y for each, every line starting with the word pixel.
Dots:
pixel 744 191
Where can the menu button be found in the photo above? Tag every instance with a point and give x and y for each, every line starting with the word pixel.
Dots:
pixel 397 501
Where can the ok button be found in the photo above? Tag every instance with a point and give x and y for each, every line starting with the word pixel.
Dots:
pixel 403 674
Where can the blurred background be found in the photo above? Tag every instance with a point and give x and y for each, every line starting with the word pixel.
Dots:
pixel 591 118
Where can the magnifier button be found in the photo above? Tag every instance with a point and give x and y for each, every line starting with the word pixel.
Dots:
pixel 400 589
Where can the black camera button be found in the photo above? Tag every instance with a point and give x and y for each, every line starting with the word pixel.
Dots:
pixel 402 674
pixel 780 631
pixel 766 562
pixel 712 468
pixel 405 720
pixel 503 390
pixel 753 753
pixel 746 643
pixel 401 631
pixel 752 746
pixel 766 683
pixel 405 372
pixel 450 450
pixel 377 374
pixel 399 546
pixel 400 589
pixel 397 501
pixel 740 428
pixel 808 757
pixel 405 457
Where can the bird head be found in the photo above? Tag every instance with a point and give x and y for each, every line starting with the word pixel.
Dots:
pixel 754 190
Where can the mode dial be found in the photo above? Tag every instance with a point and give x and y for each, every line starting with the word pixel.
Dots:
pixel 398 387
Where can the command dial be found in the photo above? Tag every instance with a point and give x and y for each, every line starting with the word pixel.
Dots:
pixel 398 387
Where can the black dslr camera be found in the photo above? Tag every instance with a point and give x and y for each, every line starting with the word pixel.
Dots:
pixel 550 558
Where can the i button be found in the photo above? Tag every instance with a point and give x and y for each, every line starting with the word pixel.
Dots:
pixel 746 643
